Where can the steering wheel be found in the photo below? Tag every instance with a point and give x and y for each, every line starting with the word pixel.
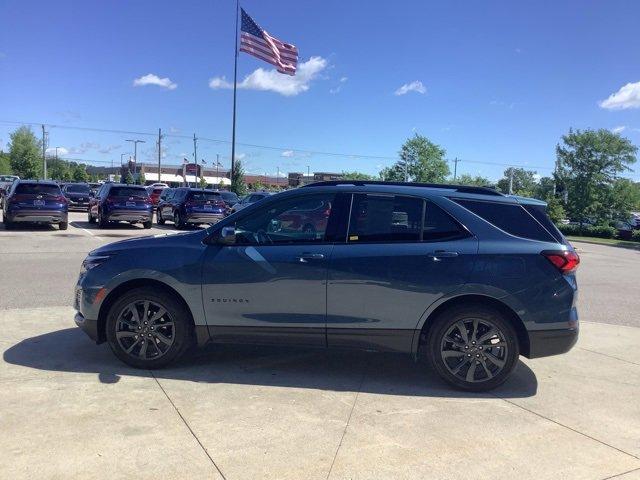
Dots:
pixel 262 237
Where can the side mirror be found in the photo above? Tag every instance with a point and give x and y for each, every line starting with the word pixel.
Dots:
pixel 227 236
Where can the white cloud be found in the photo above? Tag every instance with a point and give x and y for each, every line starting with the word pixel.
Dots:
pixel 61 151
pixel 343 79
pixel 415 86
pixel 287 153
pixel 619 129
pixel 627 97
pixel 152 79
pixel 272 81
pixel 109 148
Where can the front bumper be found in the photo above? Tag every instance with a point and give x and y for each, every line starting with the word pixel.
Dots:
pixel 88 326
pixel 40 216
pixel 544 343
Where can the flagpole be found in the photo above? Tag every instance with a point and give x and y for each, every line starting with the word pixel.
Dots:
pixel 235 85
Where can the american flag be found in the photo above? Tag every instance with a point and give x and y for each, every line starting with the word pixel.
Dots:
pixel 257 42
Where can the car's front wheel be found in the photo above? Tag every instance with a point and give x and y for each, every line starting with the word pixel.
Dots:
pixel 149 328
pixel 472 347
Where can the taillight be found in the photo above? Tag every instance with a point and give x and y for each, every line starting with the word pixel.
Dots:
pixel 566 261
pixel 61 198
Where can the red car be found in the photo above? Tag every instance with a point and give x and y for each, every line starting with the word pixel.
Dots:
pixel 154 194
pixel 308 219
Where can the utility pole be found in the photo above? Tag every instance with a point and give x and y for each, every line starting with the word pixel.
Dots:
pixel 218 168
pixel 195 154
pixel 159 153
pixel 44 157
pixel 278 177
pixel 135 153
pixel 455 168
pixel 406 171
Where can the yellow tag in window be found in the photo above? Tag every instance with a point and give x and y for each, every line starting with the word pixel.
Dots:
pixel 353 238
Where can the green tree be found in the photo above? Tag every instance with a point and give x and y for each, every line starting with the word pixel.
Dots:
pixel 357 176
pixel 237 179
pixel 142 179
pixel 5 164
pixel 128 178
pixel 524 182
pixel 59 170
pixel 589 165
pixel 24 153
pixel 202 183
pixel 80 173
pixel 475 180
pixel 420 161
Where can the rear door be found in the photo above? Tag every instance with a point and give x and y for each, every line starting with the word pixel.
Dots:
pixel 402 254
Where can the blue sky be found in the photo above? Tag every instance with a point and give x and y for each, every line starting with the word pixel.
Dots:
pixel 493 82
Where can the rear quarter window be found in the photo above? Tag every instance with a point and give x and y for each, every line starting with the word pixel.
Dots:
pixel 508 217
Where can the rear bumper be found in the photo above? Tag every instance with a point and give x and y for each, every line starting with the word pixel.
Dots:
pixel 88 326
pixel 78 205
pixel 129 216
pixel 43 216
pixel 544 343
pixel 198 218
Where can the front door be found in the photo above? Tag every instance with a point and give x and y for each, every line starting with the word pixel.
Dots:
pixel 270 286
pixel 402 254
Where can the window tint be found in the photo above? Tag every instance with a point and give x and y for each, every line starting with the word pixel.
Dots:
pixel 77 188
pixel 167 193
pixel 38 189
pixel 229 196
pixel 385 218
pixel 203 196
pixel 128 192
pixel 539 212
pixel 511 218
pixel 296 220
pixel 439 226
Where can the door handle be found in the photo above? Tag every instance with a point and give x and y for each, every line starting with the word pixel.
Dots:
pixel 305 257
pixel 438 255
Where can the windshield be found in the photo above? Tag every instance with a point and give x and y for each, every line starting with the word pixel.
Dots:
pixel 77 188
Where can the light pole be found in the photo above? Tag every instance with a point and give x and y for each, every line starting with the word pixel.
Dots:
pixel 122 155
pixel 135 152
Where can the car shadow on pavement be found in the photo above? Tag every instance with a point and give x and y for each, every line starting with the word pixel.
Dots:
pixel 69 350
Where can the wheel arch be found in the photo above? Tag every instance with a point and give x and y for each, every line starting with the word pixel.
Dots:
pixel 130 285
pixel 474 299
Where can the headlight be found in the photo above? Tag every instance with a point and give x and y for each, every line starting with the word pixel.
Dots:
pixel 93 261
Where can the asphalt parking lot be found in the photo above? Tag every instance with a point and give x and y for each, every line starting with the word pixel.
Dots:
pixel 69 409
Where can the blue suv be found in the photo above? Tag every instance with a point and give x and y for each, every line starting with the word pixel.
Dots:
pixel 464 277
pixel 35 201
pixel 116 202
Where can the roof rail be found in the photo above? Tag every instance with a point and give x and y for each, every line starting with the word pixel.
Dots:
pixel 360 183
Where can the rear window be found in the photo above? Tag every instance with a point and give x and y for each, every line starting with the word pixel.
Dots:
pixel 157 191
pixel 539 212
pixel 509 217
pixel 128 192
pixel 38 189
pixel 230 196
pixel 77 188
pixel 204 196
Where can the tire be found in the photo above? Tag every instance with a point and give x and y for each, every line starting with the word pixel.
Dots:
pixel 453 358
pixel 63 225
pixel 177 220
pixel 147 225
pixel 160 220
pixel 102 223
pixel 90 217
pixel 8 225
pixel 180 332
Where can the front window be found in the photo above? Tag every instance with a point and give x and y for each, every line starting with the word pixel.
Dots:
pixel 296 220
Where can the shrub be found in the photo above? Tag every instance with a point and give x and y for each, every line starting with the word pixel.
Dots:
pixel 601 231
pixel 635 236
pixel 569 229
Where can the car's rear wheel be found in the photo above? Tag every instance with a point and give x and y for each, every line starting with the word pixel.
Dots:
pixel 8 224
pixel 63 225
pixel 102 222
pixel 160 218
pixel 177 220
pixel 149 328
pixel 472 347
pixel 146 225
pixel 90 217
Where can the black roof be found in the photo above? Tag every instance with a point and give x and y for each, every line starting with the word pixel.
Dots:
pixel 457 188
